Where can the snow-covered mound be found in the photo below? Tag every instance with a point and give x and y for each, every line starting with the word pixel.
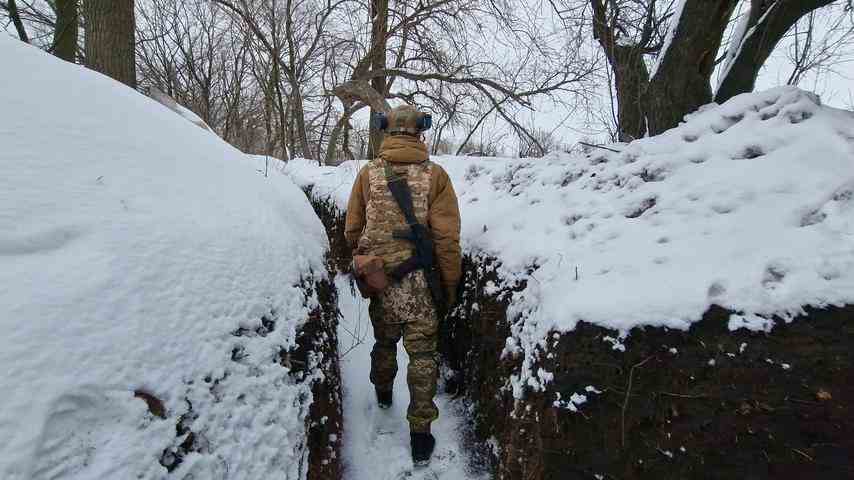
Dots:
pixel 748 205
pixel 133 248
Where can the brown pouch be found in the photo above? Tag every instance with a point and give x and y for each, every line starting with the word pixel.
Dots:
pixel 370 275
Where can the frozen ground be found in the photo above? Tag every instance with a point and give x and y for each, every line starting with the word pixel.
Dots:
pixel 376 442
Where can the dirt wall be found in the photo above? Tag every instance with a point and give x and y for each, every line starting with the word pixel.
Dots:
pixel 700 404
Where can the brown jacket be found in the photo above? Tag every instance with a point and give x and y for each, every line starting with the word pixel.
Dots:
pixel 443 216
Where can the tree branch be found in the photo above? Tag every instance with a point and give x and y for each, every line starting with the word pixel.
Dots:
pixel 12 8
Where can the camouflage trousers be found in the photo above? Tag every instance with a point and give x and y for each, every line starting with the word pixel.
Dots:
pixel 406 310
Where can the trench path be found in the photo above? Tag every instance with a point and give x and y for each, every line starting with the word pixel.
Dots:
pixel 376 442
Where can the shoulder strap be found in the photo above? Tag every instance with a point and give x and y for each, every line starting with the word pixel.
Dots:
pixel 401 193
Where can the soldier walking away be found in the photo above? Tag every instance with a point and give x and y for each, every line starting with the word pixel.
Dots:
pixel 403 210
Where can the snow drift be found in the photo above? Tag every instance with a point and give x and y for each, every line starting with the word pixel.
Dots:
pixel 748 205
pixel 140 253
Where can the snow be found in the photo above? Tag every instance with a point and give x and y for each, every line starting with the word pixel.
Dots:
pixel 132 245
pixel 736 42
pixel 748 205
pixel 740 36
pixel 668 39
pixel 172 104
pixel 376 442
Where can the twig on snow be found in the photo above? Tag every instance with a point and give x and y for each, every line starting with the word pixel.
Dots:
pixel 592 145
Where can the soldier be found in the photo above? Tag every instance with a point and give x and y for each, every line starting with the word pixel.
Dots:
pixel 377 225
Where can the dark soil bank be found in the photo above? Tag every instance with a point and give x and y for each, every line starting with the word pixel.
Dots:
pixel 706 404
pixel 318 344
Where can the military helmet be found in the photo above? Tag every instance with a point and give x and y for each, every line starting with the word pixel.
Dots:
pixel 403 119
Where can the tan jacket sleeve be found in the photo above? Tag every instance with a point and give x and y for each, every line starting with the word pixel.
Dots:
pixel 443 218
pixel 354 223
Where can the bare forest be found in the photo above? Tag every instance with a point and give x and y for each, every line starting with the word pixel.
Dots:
pixel 297 78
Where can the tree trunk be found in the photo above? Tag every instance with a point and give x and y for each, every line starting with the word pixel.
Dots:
pixel 341 125
pixel 631 77
pixel 345 142
pixel 110 39
pixel 631 81
pixel 682 82
pixel 65 35
pixel 755 49
pixel 298 116
pixel 379 32
pixel 16 19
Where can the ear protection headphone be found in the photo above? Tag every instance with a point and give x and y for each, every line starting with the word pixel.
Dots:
pixel 379 121
pixel 425 121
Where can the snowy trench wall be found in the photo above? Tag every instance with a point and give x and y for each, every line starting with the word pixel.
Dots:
pixel 678 307
pixel 167 309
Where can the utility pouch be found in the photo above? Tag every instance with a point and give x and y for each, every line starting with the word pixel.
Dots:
pixel 370 275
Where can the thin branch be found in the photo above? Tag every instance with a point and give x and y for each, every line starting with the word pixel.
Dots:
pixel 598 146
pixel 626 400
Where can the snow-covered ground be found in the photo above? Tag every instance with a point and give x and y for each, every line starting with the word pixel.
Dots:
pixel 748 205
pixel 376 442
pixel 133 246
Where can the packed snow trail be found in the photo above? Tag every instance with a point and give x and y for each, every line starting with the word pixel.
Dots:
pixel 376 442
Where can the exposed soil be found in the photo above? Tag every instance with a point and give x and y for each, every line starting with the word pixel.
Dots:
pixel 674 405
pixel 319 339
pixel 339 257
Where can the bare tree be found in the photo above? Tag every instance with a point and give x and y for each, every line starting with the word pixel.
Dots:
pixel 653 100
pixel 66 33
pixel 12 8
pixel 110 38
pixel 378 50
pixel 419 66
pixel 546 142
pixel 820 41
pixel 291 33
pixel 766 25
pixel 202 57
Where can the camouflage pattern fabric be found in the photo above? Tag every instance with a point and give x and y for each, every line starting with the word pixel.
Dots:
pixel 383 216
pixel 404 119
pixel 406 310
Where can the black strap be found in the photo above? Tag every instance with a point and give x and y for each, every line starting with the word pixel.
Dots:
pixel 401 193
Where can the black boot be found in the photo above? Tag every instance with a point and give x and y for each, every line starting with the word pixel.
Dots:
pixel 422 447
pixel 384 398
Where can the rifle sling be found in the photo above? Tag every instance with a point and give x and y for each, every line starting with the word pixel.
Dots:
pixel 401 193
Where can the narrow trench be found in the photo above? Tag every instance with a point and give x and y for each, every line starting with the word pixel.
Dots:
pixel 375 443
